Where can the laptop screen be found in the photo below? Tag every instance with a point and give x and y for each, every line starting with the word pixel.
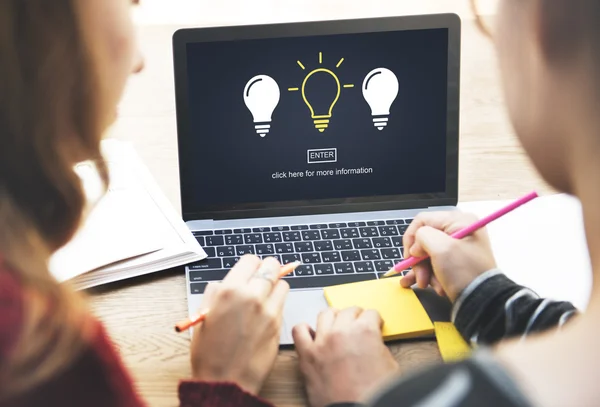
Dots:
pixel 324 118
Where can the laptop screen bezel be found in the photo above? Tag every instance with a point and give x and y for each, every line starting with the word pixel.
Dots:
pixel 185 36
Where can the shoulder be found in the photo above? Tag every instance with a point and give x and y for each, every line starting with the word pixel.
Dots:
pixel 474 382
pixel 11 309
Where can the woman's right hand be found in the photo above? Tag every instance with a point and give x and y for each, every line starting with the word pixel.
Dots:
pixel 453 263
pixel 239 340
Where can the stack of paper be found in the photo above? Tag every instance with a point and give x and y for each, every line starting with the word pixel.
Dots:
pixel 402 313
pixel 133 229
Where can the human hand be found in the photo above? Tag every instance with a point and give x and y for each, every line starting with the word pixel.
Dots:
pixel 345 359
pixel 453 263
pixel 239 340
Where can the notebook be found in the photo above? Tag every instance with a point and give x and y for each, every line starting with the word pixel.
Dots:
pixel 402 313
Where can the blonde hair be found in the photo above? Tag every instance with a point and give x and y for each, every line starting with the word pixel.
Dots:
pixel 49 121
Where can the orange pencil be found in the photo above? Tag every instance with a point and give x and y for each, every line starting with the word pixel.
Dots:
pixel 188 323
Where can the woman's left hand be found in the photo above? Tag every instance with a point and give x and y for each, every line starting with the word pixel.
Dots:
pixel 345 359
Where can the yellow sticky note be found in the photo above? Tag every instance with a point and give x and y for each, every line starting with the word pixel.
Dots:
pixel 452 345
pixel 402 313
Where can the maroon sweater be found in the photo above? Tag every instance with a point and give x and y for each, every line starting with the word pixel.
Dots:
pixel 97 377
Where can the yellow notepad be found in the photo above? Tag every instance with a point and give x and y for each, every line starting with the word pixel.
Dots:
pixel 402 313
pixel 452 345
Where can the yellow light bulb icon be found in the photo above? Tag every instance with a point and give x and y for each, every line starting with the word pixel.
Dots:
pixel 321 119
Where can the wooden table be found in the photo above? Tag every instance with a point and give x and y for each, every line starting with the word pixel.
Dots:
pixel 140 313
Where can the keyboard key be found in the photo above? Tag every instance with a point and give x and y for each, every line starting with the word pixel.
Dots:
pixel 304 270
pixel 234 239
pixel 311 258
pixel 261 230
pixel 244 249
pixel 280 228
pixel 390 254
pixel 319 226
pixel 384 265
pixel 356 224
pixel 397 241
pixel 200 240
pixel 300 227
pixel 311 235
pixel 376 223
pixel 330 257
pixel 206 264
pixel 345 244
pixel 337 225
pixel 323 245
pixel 330 234
pixel 302 247
pixel 223 251
pixel 202 232
pixel 253 238
pixel 364 267
pixel 350 255
pixel 372 254
pixel 209 275
pixel 290 258
pixel 369 232
pixel 264 249
pixel 223 232
pixel 284 248
pixel 382 242
pixel 291 236
pixel 362 243
pixel 210 251
pixel 245 230
pixel 408 221
pixel 326 281
pixel 215 241
pixel 343 268
pixel 272 237
pixel 198 288
pixel 229 262
pixel 349 233
pixel 395 222
pixel 388 231
pixel 322 269
pixel 402 229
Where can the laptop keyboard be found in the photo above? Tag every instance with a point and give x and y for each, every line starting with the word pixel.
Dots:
pixel 333 253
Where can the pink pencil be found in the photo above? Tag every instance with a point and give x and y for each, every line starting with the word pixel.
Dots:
pixel 411 261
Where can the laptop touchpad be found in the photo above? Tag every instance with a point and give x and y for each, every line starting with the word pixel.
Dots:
pixel 301 306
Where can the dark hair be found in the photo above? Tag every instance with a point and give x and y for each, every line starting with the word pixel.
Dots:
pixel 49 121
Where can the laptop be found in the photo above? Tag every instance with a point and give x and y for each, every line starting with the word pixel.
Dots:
pixel 316 141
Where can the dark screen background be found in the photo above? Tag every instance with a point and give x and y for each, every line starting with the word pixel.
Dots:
pixel 228 163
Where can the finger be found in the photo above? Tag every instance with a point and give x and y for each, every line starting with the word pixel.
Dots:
pixel 409 279
pixel 433 241
pixel 372 317
pixel 422 275
pixel 437 286
pixel 242 271
pixel 263 281
pixel 276 301
pixel 325 320
pixel 347 316
pixel 209 293
pixel 302 338
pixel 446 221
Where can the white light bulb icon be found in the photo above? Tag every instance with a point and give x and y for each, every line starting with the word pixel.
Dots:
pixel 261 95
pixel 380 89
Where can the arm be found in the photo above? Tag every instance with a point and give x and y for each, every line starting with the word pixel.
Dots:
pixel 224 394
pixel 492 307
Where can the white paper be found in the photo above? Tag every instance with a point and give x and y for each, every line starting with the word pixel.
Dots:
pixel 542 245
pixel 133 230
